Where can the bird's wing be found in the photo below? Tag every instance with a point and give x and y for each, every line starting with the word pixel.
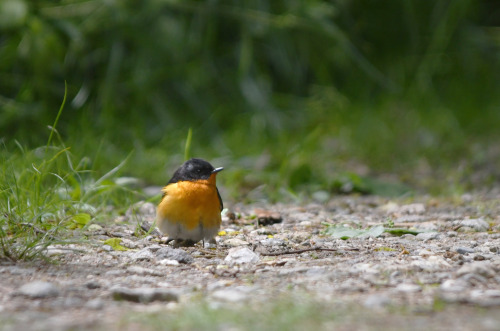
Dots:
pixel 220 199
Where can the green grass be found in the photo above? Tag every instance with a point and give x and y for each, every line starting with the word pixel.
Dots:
pixel 45 195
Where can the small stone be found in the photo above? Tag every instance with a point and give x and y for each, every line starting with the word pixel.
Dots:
pixel 236 242
pixel 426 236
pixel 115 273
pixel 454 285
pixel 432 263
pixel 128 243
pixel 92 284
pixel 94 228
pixel 265 231
pixel 408 288
pixel 482 268
pixel 168 262
pixel 302 217
pixel 54 251
pixel 39 290
pixel 143 255
pixel 95 304
pixel 15 270
pixel 272 242
pixel 138 270
pixel 427 226
pixel 107 248
pixel 425 252
pixel 176 254
pixel 241 256
pixel 229 295
pixel 143 295
pixel 478 224
pixel 377 301
pixel 464 250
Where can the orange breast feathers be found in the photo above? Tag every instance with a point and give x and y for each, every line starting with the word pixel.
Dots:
pixel 191 202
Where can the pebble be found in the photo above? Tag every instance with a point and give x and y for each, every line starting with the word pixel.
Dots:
pixel 94 227
pixel 176 254
pixel 92 284
pixel 236 242
pixel 464 250
pixel 39 290
pixel 54 251
pixel 229 295
pixel 138 270
pixel 15 270
pixel 454 285
pixel 95 304
pixel 477 224
pixel 168 262
pixel 431 264
pixel 408 288
pixel 107 248
pixel 377 301
pixel 427 226
pixel 129 243
pixel 301 217
pixel 485 298
pixel 426 236
pixel 272 242
pixel 482 268
pixel 143 295
pixel 115 272
pixel 243 255
pixel 143 255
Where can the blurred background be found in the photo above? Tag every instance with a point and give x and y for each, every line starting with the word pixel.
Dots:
pixel 292 97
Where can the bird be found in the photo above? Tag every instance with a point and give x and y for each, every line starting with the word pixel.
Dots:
pixel 191 205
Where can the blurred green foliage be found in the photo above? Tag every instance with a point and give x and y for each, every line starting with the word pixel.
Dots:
pixel 286 93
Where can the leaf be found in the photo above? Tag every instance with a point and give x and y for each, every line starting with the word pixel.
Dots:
pixel 115 244
pixel 374 232
pixel 400 232
pixel 344 233
pixel 78 221
pixel 384 249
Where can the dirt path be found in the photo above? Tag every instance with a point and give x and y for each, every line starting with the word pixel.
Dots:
pixel 447 275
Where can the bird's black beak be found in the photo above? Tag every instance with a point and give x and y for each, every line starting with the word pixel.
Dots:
pixel 217 170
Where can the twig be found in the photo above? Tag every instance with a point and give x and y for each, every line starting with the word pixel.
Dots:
pixel 300 251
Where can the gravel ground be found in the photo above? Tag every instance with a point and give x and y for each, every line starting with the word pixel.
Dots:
pixel 446 276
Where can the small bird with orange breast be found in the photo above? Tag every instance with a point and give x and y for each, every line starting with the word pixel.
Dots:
pixel 190 209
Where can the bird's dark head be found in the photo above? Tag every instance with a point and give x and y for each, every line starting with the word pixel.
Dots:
pixel 194 169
